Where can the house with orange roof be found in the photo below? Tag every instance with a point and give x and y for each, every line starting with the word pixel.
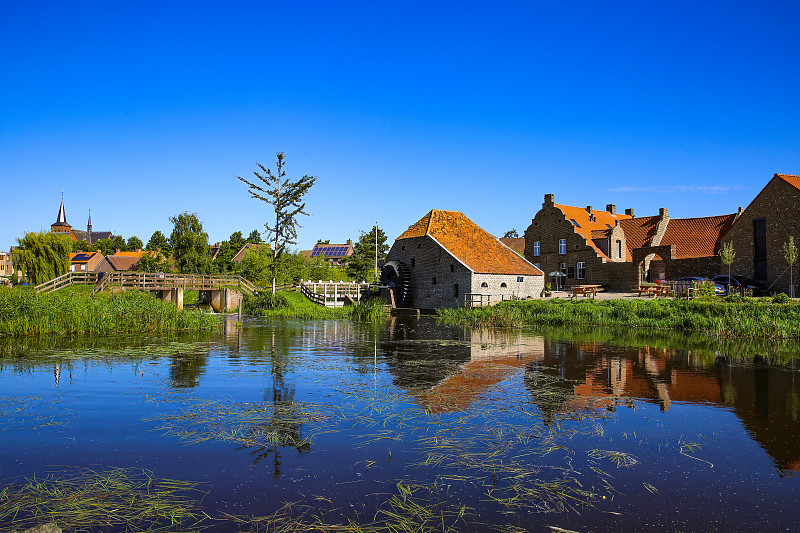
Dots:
pixel 759 233
pixel 84 261
pixel 579 242
pixel 446 260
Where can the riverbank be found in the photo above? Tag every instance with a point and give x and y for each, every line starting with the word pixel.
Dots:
pixel 750 319
pixel 75 310
pixel 290 304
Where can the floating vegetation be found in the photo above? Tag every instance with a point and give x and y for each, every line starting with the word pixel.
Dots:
pixel 33 412
pixel 81 499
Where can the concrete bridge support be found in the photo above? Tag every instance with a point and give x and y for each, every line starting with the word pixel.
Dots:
pixel 172 295
pixel 223 300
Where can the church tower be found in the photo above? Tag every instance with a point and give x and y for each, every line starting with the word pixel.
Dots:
pixel 89 228
pixel 61 225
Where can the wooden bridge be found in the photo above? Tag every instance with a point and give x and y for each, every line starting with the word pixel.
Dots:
pixel 333 294
pixel 224 291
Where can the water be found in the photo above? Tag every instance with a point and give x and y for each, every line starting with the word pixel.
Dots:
pixel 488 431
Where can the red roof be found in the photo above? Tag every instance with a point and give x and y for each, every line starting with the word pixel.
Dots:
pixel 470 244
pixel 585 223
pixel 696 237
pixel 638 233
pixel 791 179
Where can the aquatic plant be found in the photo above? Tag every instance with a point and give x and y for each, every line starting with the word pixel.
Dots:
pixel 76 310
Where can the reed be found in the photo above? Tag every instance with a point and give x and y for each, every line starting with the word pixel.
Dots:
pixel 75 310
pixel 745 319
pixel 294 305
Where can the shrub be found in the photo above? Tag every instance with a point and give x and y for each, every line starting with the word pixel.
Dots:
pixel 264 301
pixel 706 289
pixel 781 298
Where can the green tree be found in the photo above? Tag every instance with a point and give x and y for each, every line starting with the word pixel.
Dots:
pixel 158 241
pixel 155 262
pixel 728 255
pixel 286 199
pixel 110 246
pixel 189 244
pixel 361 265
pixel 790 254
pixel 224 260
pixel 237 240
pixel 254 237
pixel 134 243
pixel 257 265
pixel 511 234
pixel 43 256
pixel 82 246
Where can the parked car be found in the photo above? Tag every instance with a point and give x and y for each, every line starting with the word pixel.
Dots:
pixel 737 284
pixel 718 287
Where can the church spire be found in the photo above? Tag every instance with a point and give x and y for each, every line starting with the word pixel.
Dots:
pixel 62 215
pixel 89 228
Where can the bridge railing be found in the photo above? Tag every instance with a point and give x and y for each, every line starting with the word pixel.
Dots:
pixel 332 294
pixel 147 281
pixel 66 280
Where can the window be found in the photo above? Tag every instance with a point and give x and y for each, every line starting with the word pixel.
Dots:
pixel 575 223
pixel 563 268
pixel 562 246
pixel 536 248
pixel 581 270
pixel 413 262
pixel 455 290
pixel 760 252
pixel 484 285
pixel 503 285
pixel 520 279
pixel 619 249
pixel 452 268
pixel 404 247
pixel 419 245
pixel 434 280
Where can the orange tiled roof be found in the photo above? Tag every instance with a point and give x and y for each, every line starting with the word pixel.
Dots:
pixel 696 237
pixel 601 233
pixel 791 179
pixel 584 224
pixel 470 244
pixel 638 232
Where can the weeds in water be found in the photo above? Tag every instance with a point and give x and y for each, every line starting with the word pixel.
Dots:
pixel 81 500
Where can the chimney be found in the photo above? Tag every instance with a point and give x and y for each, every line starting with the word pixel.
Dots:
pixel 138 250
pixel 629 212
pixel 79 252
pixel 116 251
pixel 218 244
pixel 349 242
pixel 611 208
pixel 663 212
pixel 549 199
pixel 589 209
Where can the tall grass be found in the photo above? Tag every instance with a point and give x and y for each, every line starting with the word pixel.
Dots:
pixel 295 305
pixel 76 310
pixel 756 318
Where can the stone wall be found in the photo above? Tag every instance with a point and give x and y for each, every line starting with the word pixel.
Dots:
pixel 779 205
pixel 529 287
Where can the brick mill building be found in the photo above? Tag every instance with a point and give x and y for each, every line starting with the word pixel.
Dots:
pixel 444 258
pixel 759 233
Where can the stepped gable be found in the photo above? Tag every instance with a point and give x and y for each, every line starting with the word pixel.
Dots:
pixel 697 237
pixel 584 223
pixel 476 248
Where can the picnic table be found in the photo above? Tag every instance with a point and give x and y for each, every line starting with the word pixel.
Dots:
pixel 652 290
pixel 585 290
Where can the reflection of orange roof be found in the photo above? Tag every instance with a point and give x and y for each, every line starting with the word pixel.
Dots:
pixel 696 237
pixel 473 246
pixel 584 223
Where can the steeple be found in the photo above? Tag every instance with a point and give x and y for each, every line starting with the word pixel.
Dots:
pixel 61 225
pixel 89 228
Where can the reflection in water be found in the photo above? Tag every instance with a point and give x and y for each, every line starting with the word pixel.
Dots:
pixel 185 371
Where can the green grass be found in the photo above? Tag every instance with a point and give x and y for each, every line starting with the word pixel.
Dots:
pixel 298 306
pixel 75 310
pixel 750 318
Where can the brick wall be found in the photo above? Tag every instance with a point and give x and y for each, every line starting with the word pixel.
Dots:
pixel 529 287
pixel 779 205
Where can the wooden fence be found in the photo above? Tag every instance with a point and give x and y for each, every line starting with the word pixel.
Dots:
pixel 147 281
pixel 331 294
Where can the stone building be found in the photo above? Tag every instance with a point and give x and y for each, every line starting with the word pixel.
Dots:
pixel 759 233
pixel 445 259
pixel 578 242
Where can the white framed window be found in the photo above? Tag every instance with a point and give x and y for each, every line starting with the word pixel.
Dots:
pixel 581 270
pixel 562 246
pixel 563 268
pixel 537 248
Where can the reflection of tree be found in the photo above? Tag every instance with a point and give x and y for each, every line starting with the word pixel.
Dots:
pixel 185 370
pixel 285 426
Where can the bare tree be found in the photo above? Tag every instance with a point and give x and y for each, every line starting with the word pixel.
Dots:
pixel 286 198
pixel 790 254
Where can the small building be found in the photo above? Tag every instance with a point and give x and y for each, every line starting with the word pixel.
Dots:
pixel 239 257
pixel 446 260
pixel 122 261
pixel 84 261
pixel 6 265
pixel 335 254
pixel 761 230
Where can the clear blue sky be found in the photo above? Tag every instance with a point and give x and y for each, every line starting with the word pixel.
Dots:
pixel 142 110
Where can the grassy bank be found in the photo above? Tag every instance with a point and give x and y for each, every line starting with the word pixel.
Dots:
pixel 754 319
pixel 76 310
pixel 294 305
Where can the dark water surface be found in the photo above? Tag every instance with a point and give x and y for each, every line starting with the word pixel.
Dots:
pixel 484 431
